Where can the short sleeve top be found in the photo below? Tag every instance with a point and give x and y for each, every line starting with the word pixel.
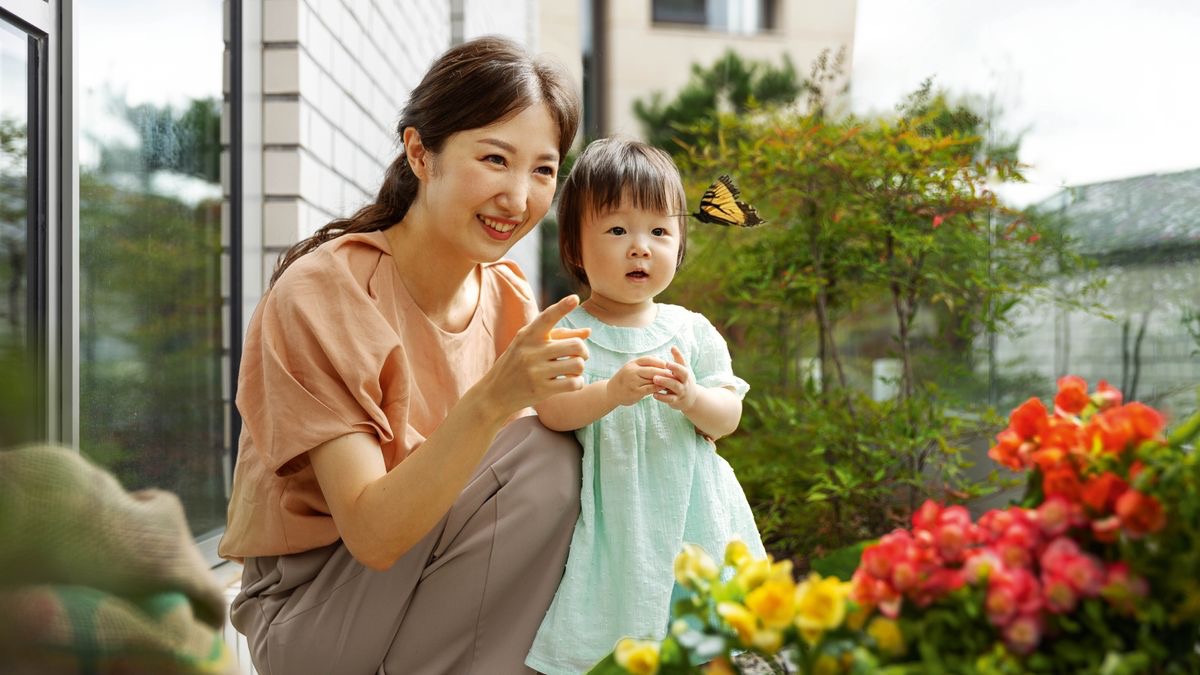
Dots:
pixel 338 346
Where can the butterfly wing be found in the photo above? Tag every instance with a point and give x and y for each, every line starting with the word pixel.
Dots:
pixel 720 206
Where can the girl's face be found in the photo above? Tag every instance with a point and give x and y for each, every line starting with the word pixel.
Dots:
pixel 629 254
pixel 489 186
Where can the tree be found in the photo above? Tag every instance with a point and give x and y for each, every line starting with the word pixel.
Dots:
pixel 728 85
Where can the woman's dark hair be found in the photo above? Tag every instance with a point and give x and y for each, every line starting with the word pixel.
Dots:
pixel 473 85
pixel 611 171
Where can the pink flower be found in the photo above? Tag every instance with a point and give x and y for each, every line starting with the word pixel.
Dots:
pixel 1123 589
pixel 1060 596
pixel 1024 633
pixel 1011 592
pixel 1056 515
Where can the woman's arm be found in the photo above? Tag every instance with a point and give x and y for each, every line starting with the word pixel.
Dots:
pixel 381 514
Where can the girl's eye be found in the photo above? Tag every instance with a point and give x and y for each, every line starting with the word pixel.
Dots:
pixel 659 232
pixel 616 230
pixel 494 159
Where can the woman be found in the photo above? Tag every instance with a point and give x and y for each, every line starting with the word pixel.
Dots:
pixel 395 508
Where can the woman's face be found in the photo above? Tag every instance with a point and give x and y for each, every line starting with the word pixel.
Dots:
pixel 489 186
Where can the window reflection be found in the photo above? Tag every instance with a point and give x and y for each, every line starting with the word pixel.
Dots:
pixel 18 400
pixel 149 241
pixel 14 174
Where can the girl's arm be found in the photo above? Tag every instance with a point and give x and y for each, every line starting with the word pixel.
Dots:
pixel 715 411
pixel 577 409
pixel 381 514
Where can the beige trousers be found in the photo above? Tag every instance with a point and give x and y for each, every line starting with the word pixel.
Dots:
pixel 467 599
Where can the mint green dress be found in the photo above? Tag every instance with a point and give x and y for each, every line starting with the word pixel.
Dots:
pixel 650 483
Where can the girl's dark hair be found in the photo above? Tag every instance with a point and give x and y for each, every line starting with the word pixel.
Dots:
pixel 473 85
pixel 608 172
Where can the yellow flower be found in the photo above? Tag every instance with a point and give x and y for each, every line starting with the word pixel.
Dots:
pixel 693 565
pixel 887 635
pixel 820 605
pixel 826 665
pixel 750 576
pixel 639 657
pixel 857 617
pixel 768 640
pixel 774 602
pixel 741 619
pixel 737 554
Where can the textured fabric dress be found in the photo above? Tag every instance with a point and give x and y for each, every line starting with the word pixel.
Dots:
pixel 650 483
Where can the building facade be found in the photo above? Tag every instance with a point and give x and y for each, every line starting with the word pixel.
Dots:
pixel 636 48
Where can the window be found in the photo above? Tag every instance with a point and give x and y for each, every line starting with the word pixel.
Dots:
pixel 151 405
pixel 731 16
pixel 22 236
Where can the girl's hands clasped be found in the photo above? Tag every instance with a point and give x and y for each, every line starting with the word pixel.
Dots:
pixel 635 380
pixel 540 361
pixel 678 387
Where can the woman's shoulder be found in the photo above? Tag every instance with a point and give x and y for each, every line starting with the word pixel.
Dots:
pixel 346 262
pixel 510 279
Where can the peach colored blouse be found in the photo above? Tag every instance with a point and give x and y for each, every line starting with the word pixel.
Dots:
pixel 338 346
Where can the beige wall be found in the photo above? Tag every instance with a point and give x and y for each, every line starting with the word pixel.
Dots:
pixel 643 58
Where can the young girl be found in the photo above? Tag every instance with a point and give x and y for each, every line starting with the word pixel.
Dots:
pixel 659 387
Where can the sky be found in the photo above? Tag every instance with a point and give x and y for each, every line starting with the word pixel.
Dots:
pixel 1097 89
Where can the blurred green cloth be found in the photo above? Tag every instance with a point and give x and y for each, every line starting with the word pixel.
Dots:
pixel 94 579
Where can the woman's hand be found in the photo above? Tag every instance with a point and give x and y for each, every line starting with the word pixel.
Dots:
pixel 678 387
pixel 635 380
pixel 540 361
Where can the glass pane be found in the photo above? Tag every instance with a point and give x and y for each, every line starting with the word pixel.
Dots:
pixel 679 11
pixel 150 222
pixel 14 174
pixel 18 420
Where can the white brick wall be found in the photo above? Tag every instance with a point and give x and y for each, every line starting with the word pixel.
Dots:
pixel 335 75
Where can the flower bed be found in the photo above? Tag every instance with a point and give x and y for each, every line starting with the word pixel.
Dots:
pixel 1097 569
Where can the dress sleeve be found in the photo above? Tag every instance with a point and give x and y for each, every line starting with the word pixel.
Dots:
pixel 321 362
pixel 712 365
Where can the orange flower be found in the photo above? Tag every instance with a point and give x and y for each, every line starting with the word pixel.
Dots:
pixel 1007 450
pixel 1106 396
pixel 1027 418
pixel 1100 493
pixel 1072 395
pixel 1146 421
pixel 1140 513
pixel 1061 479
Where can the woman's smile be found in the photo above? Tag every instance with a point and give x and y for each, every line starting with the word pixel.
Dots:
pixel 499 229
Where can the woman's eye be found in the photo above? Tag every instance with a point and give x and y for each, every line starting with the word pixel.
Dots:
pixel 494 159
pixel 616 230
pixel 545 171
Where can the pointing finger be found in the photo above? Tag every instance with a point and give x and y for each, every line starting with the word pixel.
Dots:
pixel 543 323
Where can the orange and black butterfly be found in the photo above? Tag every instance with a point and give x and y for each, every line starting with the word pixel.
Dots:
pixel 720 206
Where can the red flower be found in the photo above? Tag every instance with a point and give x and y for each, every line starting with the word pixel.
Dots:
pixel 1123 589
pixel 1056 515
pixel 1147 422
pixel 1072 395
pixel 938 220
pixel 1140 513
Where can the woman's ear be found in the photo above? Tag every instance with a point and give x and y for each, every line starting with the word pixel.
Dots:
pixel 418 155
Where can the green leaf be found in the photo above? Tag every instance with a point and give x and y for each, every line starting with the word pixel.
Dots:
pixel 841 563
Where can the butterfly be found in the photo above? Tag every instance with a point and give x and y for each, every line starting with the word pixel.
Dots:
pixel 720 206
